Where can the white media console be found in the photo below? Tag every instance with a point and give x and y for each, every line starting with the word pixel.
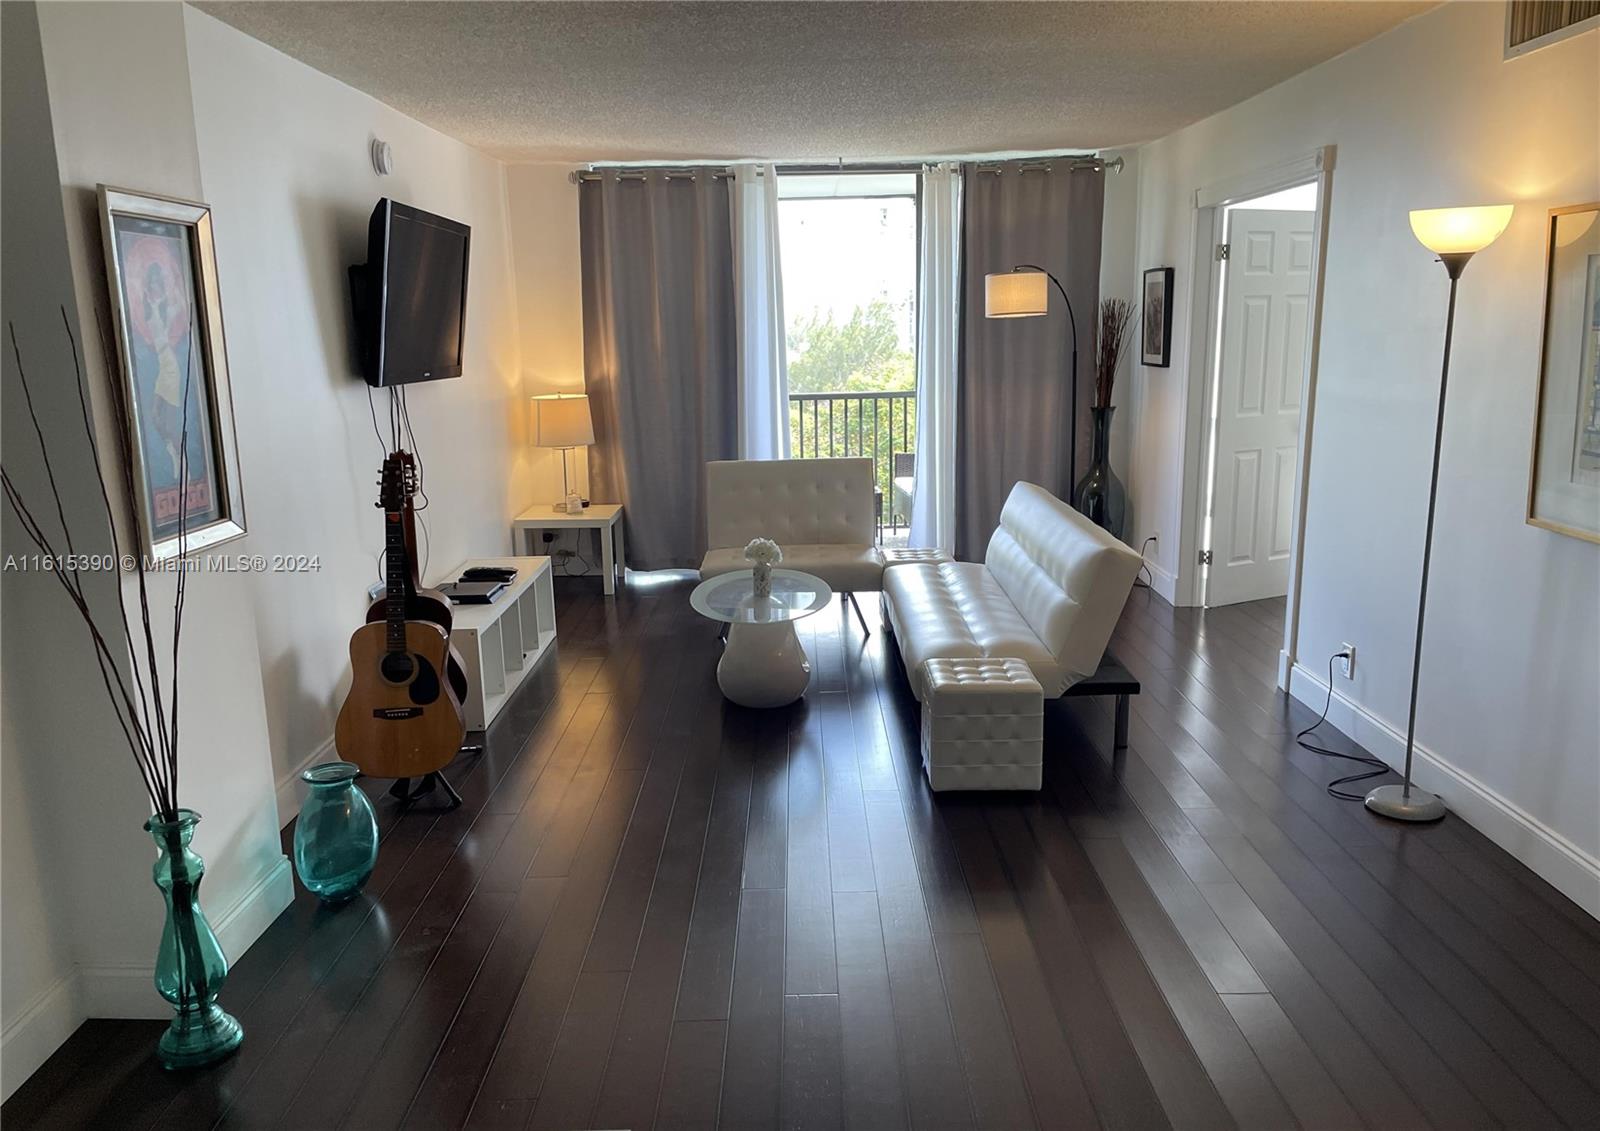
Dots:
pixel 501 642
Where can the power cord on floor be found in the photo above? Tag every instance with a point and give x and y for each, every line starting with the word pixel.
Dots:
pixel 1375 768
pixel 1144 567
pixel 566 558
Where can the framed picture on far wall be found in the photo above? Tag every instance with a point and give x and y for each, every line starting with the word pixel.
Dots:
pixel 173 387
pixel 1564 484
pixel 1156 339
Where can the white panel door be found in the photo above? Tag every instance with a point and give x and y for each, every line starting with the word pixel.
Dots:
pixel 1265 320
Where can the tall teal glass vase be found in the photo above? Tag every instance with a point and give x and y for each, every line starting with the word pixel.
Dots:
pixel 190 966
pixel 336 837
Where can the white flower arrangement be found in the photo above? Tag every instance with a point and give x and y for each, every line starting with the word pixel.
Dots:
pixel 763 551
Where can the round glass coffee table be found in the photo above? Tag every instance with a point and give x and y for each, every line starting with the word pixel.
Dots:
pixel 764 664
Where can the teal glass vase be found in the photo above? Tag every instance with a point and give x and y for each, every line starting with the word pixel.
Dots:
pixel 336 837
pixel 190 965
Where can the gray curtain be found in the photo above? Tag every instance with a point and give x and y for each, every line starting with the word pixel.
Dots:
pixel 659 353
pixel 1014 404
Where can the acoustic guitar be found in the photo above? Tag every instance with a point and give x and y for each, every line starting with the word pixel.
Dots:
pixel 421 603
pixel 402 718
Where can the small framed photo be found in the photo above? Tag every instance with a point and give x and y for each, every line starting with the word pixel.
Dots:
pixel 173 388
pixel 1564 484
pixel 1156 339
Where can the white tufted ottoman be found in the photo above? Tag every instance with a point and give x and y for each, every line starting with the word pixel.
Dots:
pixel 982 724
pixel 914 556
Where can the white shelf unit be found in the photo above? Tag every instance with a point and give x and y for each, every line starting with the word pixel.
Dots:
pixel 501 642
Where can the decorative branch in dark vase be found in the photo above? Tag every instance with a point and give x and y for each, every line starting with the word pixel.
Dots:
pixel 1100 495
pixel 190 965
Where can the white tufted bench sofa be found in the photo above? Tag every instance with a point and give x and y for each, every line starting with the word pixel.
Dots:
pixel 1048 592
pixel 820 511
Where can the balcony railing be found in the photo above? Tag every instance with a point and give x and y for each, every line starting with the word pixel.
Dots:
pixel 881 426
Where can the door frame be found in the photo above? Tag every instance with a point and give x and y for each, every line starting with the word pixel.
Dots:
pixel 1210 203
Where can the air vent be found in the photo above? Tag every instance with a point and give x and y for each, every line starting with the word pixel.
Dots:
pixel 1532 24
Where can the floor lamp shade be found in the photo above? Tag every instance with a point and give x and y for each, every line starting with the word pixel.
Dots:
pixel 1453 231
pixel 562 420
pixel 1016 294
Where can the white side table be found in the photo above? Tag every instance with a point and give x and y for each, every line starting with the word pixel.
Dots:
pixel 764 664
pixel 605 519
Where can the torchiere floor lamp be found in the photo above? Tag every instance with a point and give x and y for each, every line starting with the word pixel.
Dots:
pixel 1454 235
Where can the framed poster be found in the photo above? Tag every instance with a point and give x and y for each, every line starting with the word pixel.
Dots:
pixel 173 387
pixel 1156 337
pixel 1564 483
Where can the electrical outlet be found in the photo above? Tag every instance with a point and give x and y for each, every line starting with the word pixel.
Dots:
pixel 1347 662
pixel 549 536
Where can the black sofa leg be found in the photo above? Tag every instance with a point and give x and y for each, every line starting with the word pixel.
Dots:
pixel 1120 739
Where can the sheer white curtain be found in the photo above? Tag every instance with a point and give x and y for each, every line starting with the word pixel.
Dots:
pixel 933 501
pixel 758 305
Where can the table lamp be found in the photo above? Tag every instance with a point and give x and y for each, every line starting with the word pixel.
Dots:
pixel 562 420
pixel 1455 235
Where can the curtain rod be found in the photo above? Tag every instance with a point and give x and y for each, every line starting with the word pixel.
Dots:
pixel 722 173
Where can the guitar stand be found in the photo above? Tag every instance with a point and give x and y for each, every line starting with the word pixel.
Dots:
pixel 401 790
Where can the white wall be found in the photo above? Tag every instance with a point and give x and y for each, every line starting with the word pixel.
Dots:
pixel 1428 114
pixel 95 56
pixel 161 98
pixel 1119 228
pixel 283 158
pixel 544 231
pixel 55 758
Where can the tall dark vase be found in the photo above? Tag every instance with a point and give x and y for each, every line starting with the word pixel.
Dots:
pixel 1100 495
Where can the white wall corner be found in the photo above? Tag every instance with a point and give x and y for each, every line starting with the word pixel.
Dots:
pixel 291 790
pixel 240 925
pixel 129 990
pixel 1164 583
pixel 1568 868
pixel 38 1031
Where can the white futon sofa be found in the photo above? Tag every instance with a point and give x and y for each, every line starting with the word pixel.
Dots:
pixel 1048 592
pixel 821 512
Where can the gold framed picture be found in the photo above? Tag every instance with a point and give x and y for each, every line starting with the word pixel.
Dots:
pixel 162 270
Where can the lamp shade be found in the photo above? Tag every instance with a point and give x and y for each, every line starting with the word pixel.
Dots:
pixel 1460 231
pixel 1016 294
pixel 562 420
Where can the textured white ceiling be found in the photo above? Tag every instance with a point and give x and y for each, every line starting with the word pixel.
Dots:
pixel 671 80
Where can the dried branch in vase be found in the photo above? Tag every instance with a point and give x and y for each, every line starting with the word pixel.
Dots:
pixel 1116 319
pixel 147 715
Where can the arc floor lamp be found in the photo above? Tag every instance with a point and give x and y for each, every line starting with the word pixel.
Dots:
pixel 1023 293
pixel 1455 235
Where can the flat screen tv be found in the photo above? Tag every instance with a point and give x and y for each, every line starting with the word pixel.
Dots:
pixel 410 296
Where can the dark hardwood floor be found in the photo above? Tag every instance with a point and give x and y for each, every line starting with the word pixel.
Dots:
pixel 658 909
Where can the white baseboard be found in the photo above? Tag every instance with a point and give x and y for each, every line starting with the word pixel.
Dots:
pixel 253 912
pixel 121 991
pixel 1568 868
pixel 129 991
pixel 292 791
pixel 38 1031
pixel 1164 583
